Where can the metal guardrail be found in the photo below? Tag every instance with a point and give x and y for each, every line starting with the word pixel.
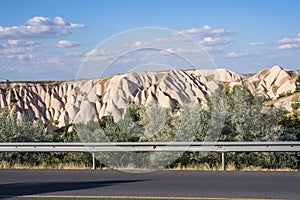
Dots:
pixel 222 147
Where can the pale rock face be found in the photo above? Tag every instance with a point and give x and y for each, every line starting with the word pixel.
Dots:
pixel 272 82
pixel 56 103
pixel 87 112
pixel 102 110
pixel 223 75
pixel 88 100
pixel 287 86
pixel 285 103
pixel 233 84
pixel 72 112
pixel 113 110
pixel 63 119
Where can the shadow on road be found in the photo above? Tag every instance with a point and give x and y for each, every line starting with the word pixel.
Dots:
pixel 22 189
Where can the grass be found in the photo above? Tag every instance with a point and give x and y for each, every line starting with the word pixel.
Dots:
pixel 229 167
pixel 201 166
pixel 6 165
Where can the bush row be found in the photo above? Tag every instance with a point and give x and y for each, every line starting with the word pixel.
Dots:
pixel 228 115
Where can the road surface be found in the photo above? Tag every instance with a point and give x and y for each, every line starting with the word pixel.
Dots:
pixel 88 184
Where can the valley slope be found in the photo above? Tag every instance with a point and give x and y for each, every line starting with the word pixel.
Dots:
pixel 59 104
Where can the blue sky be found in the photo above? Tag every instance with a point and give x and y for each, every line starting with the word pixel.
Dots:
pixel 49 39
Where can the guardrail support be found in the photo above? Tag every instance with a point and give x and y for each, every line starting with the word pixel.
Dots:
pixel 94 160
pixel 223 161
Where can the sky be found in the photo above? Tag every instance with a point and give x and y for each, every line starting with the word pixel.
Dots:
pixel 52 39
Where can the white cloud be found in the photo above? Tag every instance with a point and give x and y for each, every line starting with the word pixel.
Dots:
pixel 207 31
pixel 11 51
pixel 168 50
pixel 67 44
pixel 181 50
pixel 19 57
pixel 18 32
pixel 290 39
pixel 215 41
pixel 207 35
pixel 139 44
pixel 54 61
pixel 49 61
pixel 23 57
pixel 22 43
pixel 178 51
pixel 161 40
pixel 214 49
pixel 39 21
pixel 74 54
pixel 39 27
pixel 221 31
pixel 102 52
pixel 287 47
pixel 15 47
pixel 101 55
pixel 59 21
pixel 258 43
pixel 16 50
pixel 73 25
pixel 239 54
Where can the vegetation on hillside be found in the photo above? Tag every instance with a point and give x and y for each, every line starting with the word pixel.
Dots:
pixel 230 115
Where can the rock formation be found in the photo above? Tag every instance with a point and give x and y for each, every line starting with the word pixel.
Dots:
pixel 58 104
pixel 272 82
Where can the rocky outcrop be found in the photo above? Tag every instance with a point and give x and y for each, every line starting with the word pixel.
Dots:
pixel 58 104
pixel 272 83
pixel 286 102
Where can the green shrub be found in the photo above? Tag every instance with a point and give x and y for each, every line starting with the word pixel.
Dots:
pixel 295 106
pixel 13 100
pixel 21 130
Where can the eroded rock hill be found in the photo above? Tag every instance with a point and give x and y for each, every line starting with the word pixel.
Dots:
pixel 58 104
pixel 273 82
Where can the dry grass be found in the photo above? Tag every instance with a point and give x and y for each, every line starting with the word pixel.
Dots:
pixel 6 165
pixel 206 167
pixel 232 167
pixel 202 166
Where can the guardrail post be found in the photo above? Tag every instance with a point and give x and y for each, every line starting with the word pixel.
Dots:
pixel 94 160
pixel 223 161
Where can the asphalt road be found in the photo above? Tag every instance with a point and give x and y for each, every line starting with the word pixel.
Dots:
pixel 88 184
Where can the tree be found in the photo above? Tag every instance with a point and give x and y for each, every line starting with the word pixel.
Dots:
pixel 23 129
pixel 247 119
